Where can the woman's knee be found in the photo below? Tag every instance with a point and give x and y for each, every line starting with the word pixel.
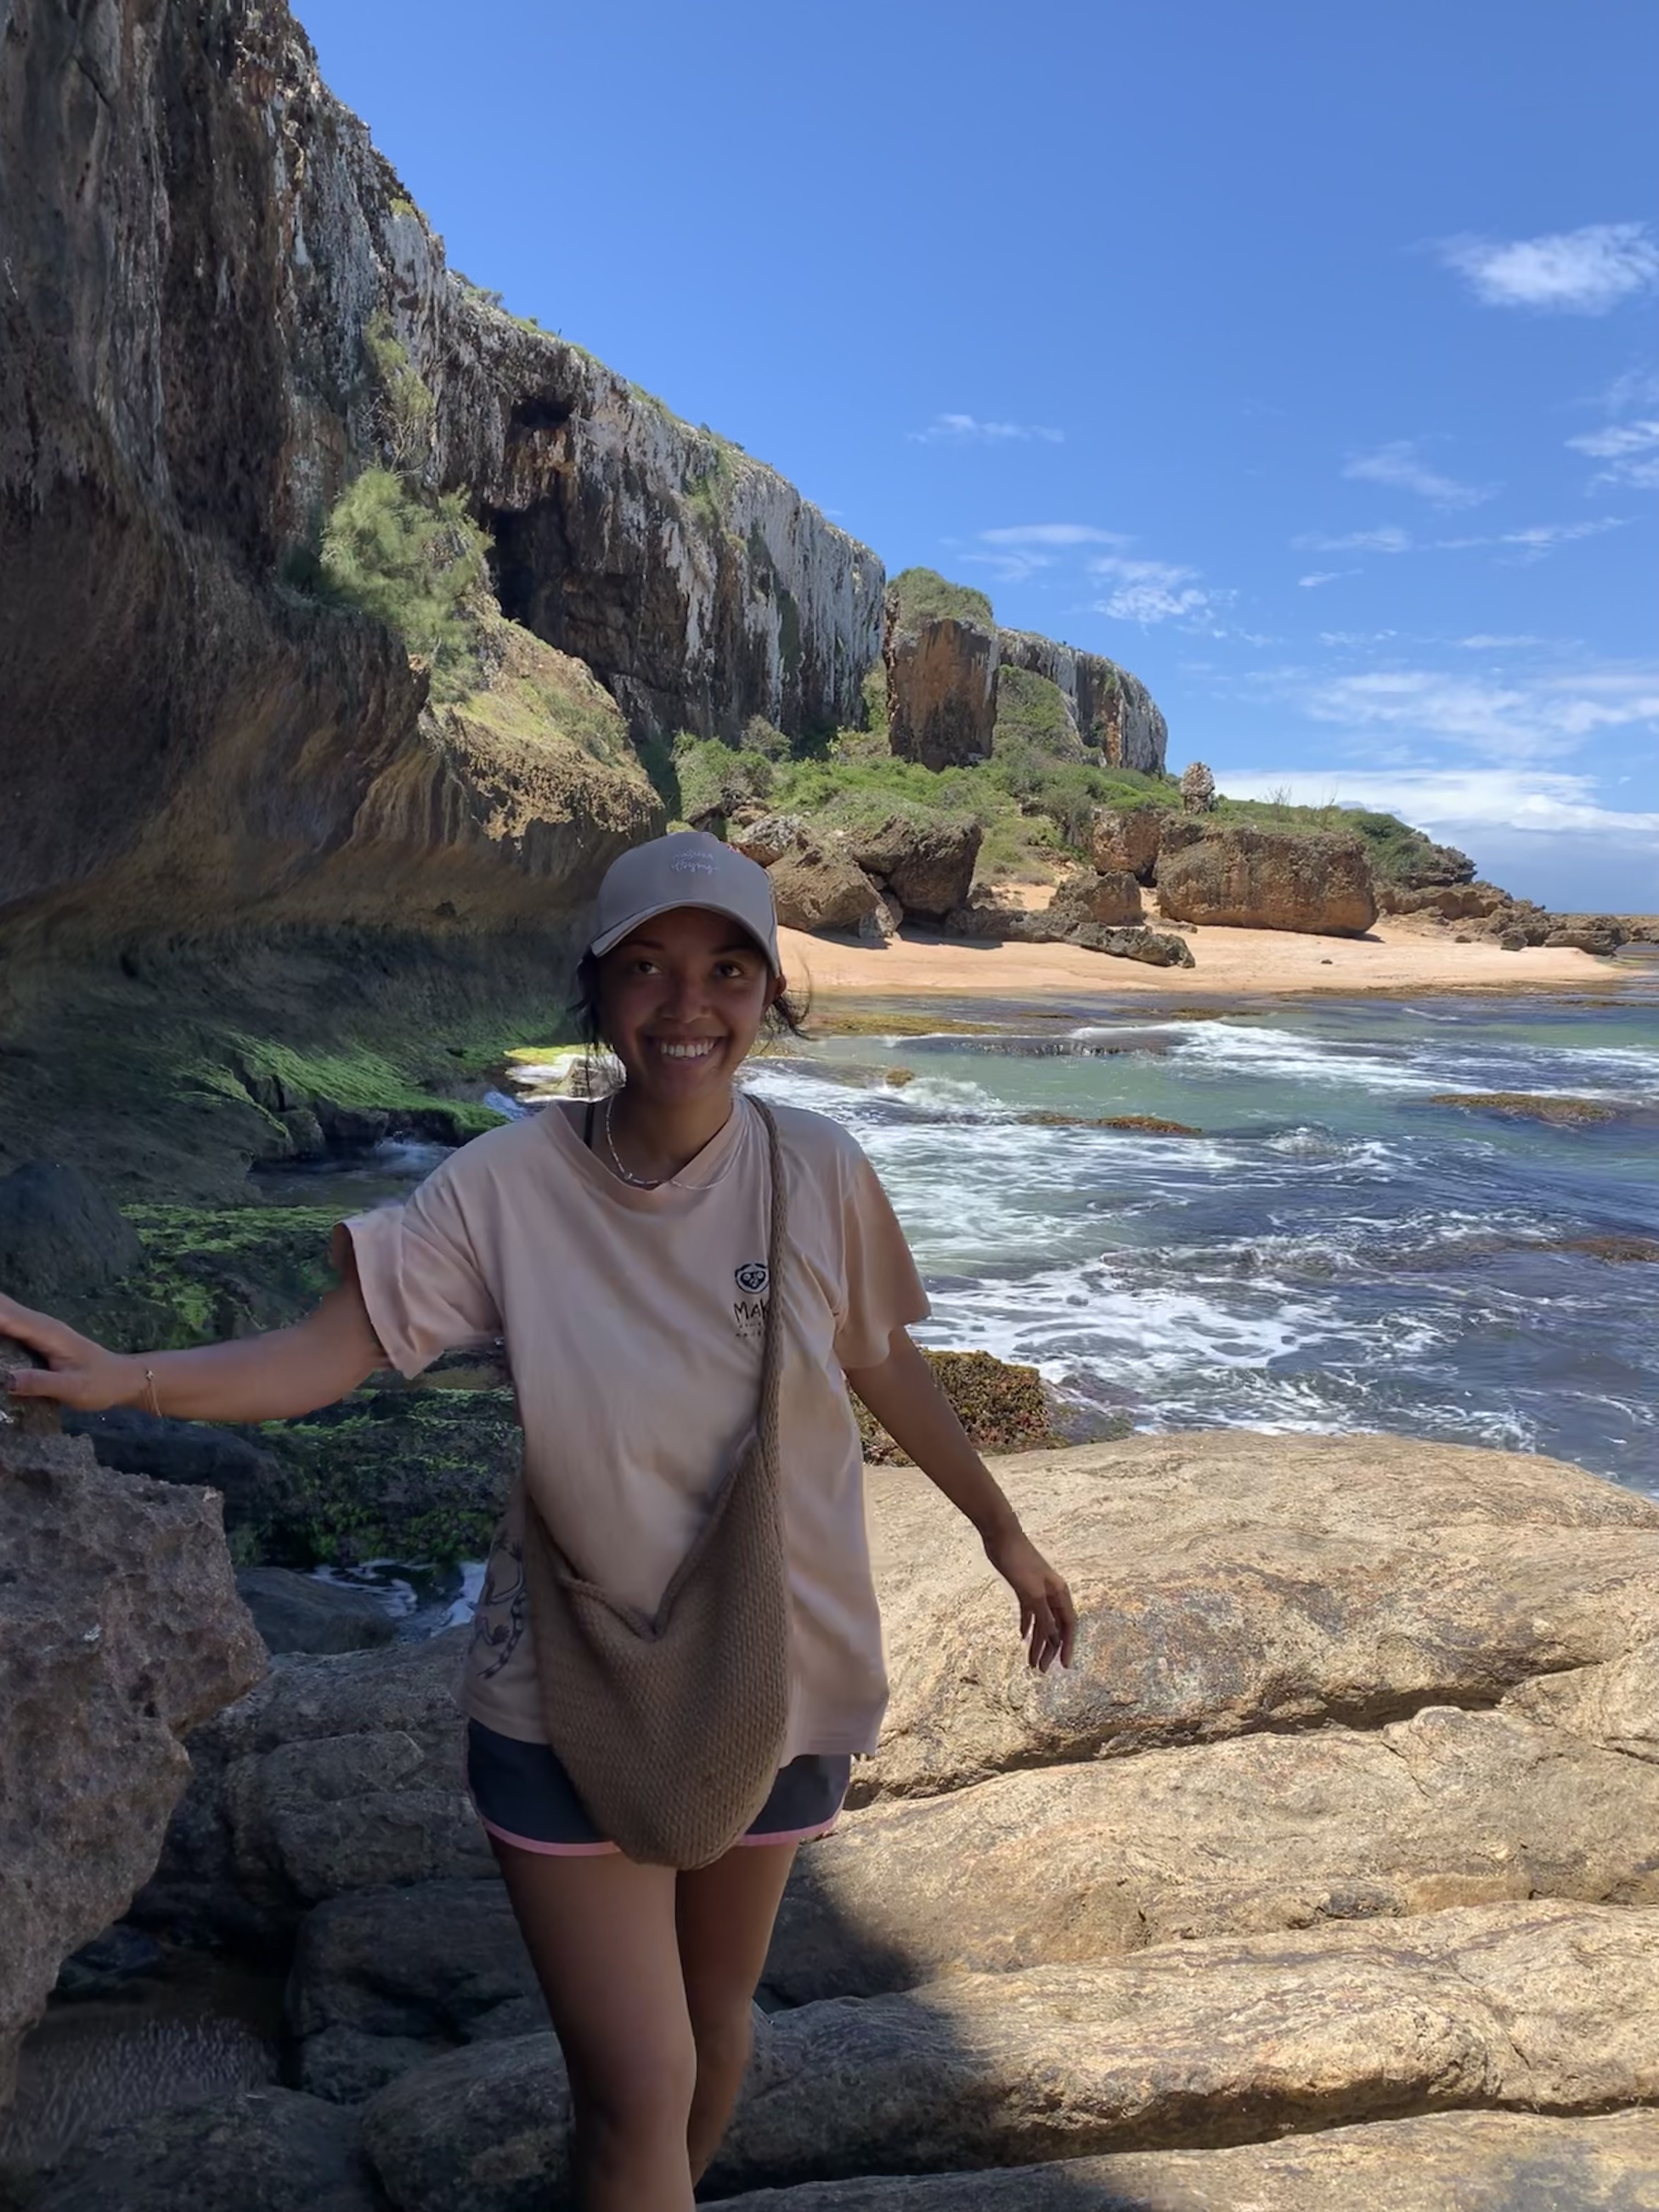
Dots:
pixel 722 2029
pixel 643 2092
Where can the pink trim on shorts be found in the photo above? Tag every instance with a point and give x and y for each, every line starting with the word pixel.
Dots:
pixel 549 1850
pixel 601 1849
pixel 789 1835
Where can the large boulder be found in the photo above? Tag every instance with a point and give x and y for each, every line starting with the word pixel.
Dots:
pixel 1471 2162
pixel 769 837
pixel 822 887
pixel 927 865
pixel 1242 878
pixel 1517 2008
pixel 120 1630
pixel 258 1489
pixel 1124 839
pixel 941 677
pixel 1451 902
pixel 60 1235
pixel 1108 896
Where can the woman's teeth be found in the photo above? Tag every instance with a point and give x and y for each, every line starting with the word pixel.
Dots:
pixel 699 1051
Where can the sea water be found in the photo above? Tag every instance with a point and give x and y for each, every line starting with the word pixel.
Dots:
pixel 1334 1252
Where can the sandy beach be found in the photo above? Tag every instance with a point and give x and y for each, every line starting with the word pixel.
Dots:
pixel 1398 955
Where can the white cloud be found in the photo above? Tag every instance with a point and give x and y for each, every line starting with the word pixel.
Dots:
pixel 1388 539
pixel 1153 591
pixel 967 430
pixel 1311 583
pixel 1543 538
pixel 1052 533
pixel 1487 641
pixel 1539 718
pixel 1582 272
pixel 1630 451
pixel 1401 467
pixel 1541 800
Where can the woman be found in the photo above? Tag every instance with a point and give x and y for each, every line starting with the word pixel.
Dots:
pixel 620 1248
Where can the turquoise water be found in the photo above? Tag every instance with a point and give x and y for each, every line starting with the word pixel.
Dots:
pixel 1333 1253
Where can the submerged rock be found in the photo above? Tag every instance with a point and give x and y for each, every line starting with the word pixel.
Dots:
pixel 1529 1106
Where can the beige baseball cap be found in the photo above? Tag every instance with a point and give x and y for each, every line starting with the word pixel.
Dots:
pixel 691 868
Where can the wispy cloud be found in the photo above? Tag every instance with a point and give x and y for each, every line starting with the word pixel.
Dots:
pixel 968 430
pixel 1530 544
pixel 1630 451
pixel 1388 539
pixel 1538 719
pixel 1148 592
pixel 1318 576
pixel 1402 468
pixel 1550 801
pixel 1579 272
pixel 1052 533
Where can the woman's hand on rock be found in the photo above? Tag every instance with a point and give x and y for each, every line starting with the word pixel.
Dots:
pixel 1047 1618
pixel 77 1372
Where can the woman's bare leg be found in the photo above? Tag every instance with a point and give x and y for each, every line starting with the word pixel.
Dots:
pixel 601 1934
pixel 724 1913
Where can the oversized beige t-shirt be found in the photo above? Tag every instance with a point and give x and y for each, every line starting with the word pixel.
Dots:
pixel 633 1322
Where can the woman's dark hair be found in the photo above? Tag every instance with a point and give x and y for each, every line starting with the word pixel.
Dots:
pixel 786 1016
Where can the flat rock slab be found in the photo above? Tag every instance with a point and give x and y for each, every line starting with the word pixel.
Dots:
pixel 1094 1862
pixel 1452 2162
pixel 267 2150
pixel 120 1629
pixel 1193 2045
pixel 1228 1582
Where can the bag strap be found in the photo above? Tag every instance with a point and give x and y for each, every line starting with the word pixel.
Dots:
pixel 771 1384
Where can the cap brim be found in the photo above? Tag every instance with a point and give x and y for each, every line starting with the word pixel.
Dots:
pixel 611 937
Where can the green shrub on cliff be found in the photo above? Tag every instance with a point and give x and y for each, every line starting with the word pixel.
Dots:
pixel 923 595
pixel 716 777
pixel 411 563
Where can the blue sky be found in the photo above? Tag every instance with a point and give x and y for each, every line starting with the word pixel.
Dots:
pixel 1305 358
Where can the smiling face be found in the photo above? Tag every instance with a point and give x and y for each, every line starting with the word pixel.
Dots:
pixel 681 1001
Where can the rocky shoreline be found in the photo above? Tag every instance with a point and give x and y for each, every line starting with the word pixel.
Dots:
pixel 1327 1871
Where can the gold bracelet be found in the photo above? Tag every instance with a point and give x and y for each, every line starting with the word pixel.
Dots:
pixel 149 1392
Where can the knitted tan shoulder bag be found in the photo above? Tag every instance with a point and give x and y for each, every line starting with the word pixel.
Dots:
pixel 671 1727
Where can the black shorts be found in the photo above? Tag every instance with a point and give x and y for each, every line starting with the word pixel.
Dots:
pixel 523 1795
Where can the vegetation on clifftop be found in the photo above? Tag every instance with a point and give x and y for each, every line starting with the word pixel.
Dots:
pixel 923 595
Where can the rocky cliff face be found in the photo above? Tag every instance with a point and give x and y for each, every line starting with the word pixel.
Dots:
pixel 208 268
pixel 1112 711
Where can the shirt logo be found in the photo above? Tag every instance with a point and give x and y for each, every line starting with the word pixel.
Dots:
pixel 752 1278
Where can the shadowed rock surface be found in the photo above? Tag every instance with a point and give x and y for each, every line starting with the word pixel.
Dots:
pixel 266 2150
pixel 297 1613
pixel 1447 2162
pixel 1242 878
pixel 1197 2044
pixel 120 1629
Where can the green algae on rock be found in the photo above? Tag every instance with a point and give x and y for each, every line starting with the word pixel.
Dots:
pixel 1531 1106
pixel 1003 1407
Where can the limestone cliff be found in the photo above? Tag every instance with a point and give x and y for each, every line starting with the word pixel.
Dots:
pixel 1112 711
pixel 218 305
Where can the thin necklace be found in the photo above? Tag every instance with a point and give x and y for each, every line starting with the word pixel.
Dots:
pixel 640 1182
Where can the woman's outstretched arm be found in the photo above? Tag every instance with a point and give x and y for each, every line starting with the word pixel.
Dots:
pixel 276 1376
pixel 906 1398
